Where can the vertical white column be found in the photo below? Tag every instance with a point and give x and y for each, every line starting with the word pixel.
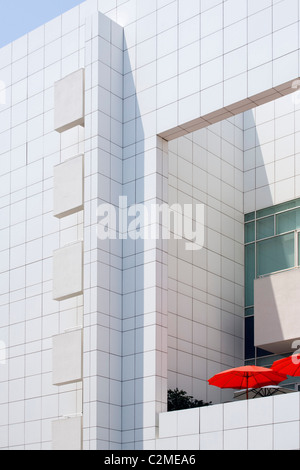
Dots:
pixel 103 257
pixel 68 260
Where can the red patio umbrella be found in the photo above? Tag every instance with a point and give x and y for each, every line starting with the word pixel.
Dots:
pixel 288 365
pixel 246 377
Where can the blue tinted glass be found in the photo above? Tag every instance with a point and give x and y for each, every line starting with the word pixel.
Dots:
pixel 288 221
pixel 262 353
pixel 265 228
pixel 249 338
pixel 279 208
pixel 249 274
pixel 250 232
pixel 275 254
pixel 249 312
pixel 249 217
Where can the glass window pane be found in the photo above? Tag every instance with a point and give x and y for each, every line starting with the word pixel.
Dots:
pixel 249 312
pixel 265 361
pixel 265 212
pixel 250 217
pixel 249 274
pixel 262 353
pixel 275 254
pixel 249 338
pixel 288 221
pixel 265 228
pixel 250 232
pixel 279 208
pixel 286 205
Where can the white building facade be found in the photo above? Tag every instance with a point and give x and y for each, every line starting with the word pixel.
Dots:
pixel 114 117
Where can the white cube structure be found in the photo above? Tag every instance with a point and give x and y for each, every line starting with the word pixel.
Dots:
pixel 69 101
pixel 68 187
pixel 67 358
pixel 68 271
pixel 276 300
pixel 67 434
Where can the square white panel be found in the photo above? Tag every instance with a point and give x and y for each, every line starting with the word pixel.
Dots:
pixel 69 101
pixel 67 358
pixel 260 437
pixel 167 425
pixel 67 271
pixel 211 419
pixel 66 434
pixel 68 187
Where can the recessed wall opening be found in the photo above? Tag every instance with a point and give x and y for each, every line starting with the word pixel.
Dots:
pixel 240 165
pixel 271 261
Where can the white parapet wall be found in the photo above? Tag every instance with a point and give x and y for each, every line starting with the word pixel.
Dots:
pixel 269 423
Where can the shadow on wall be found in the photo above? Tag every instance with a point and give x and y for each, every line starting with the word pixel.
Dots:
pixel 133 247
pixel 259 166
pixel 270 152
pixel 259 170
pixel 259 152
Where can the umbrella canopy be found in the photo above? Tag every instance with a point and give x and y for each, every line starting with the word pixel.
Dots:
pixel 288 365
pixel 247 377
